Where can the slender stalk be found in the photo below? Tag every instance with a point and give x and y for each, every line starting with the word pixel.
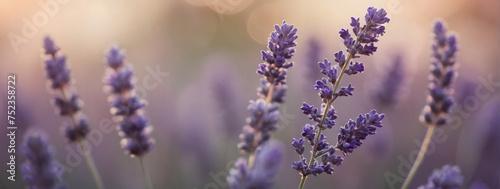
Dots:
pixel 337 83
pixel 86 152
pixel 420 157
pixel 302 181
pixel 91 164
pixel 145 174
pixel 251 158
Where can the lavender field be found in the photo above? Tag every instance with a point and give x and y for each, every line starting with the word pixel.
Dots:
pixel 255 94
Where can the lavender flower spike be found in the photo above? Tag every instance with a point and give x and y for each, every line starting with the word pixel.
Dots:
pixel 439 101
pixel 126 106
pixel 261 166
pixel 261 175
pixel 67 104
pixel 264 111
pixel 447 177
pixel 40 170
pixel 323 157
pixel 388 90
pixel 443 73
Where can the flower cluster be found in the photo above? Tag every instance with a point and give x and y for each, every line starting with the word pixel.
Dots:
pixel 323 156
pixel 447 177
pixel 126 106
pixel 267 161
pixel 313 56
pixel 264 111
pixel 388 90
pixel 440 100
pixel 40 169
pixel 67 104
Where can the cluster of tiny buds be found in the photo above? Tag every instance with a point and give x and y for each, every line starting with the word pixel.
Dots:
pixel 442 74
pixel 126 106
pixel 350 137
pixel 447 177
pixel 41 170
pixel 67 104
pixel 264 111
pixel 355 131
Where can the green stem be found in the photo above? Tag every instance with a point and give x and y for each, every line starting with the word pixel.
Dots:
pixel 420 157
pixel 251 158
pixel 145 174
pixel 302 181
pixel 85 149
pixel 91 164
pixel 328 103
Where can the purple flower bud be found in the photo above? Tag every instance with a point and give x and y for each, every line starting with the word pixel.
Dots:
pixel 78 132
pixel 309 132
pixel 67 108
pixel 354 132
pixel 446 177
pixel 298 145
pixel 262 174
pixel 264 114
pixel 57 72
pixel 388 90
pixel 133 125
pixel 67 103
pixel 355 68
pixel 49 46
pixel 115 57
pixel 346 91
pixel 40 169
pixel 442 74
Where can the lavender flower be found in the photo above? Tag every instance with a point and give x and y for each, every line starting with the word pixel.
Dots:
pixel 261 175
pixel 323 156
pixel 264 111
pixel 223 85
pixel 313 56
pixel 40 170
pixel 447 177
pixel 264 115
pixel 390 86
pixel 440 100
pixel 126 106
pixel 67 104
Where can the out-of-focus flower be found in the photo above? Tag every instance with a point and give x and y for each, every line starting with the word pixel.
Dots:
pixel 264 115
pixel 40 169
pixel 261 175
pixel 447 177
pixel 134 127
pixel 67 104
pixel 264 111
pixel 443 73
pixel 389 88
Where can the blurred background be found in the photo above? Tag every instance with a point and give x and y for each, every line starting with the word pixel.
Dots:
pixel 208 51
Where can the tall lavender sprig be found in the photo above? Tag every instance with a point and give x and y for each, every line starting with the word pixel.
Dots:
pixel 323 156
pixel 448 177
pixel 267 161
pixel 264 115
pixel 388 90
pixel 264 111
pixel 127 108
pixel 439 101
pixel 67 102
pixel 40 170
pixel 313 56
